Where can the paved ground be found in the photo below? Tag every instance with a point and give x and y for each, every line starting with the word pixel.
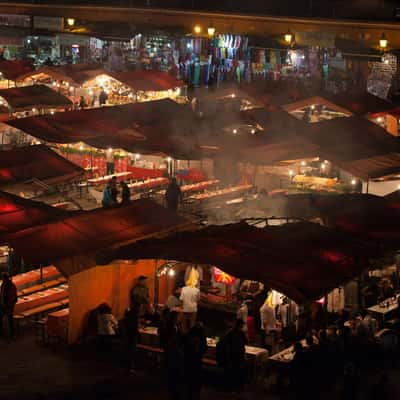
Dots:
pixel 30 371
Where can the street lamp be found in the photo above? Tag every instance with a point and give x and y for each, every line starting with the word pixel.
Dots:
pixel 211 31
pixel 383 42
pixel 288 37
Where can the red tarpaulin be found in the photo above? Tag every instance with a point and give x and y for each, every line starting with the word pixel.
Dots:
pixel 304 260
pixel 17 213
pixel 94 231
pixel 147 81
pixel 35 96
pixel 13 70
pixel 150 127
pixel 25 163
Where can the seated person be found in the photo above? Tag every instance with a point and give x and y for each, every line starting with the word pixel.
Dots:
pixel 107 325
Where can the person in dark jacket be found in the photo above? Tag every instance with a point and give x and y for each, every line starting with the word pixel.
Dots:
pixel 103 97
pixel 171 342
pixel 8 299
pixel 131 332
pixel 173 195
pixel 194 348
pixel 235 344
pixel 125 193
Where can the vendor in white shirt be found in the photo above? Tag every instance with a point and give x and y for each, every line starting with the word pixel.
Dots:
pixel 190 296
pixel 268 324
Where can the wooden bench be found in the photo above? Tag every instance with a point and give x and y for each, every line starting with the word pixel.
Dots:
pixel 37 311
pixel 41 286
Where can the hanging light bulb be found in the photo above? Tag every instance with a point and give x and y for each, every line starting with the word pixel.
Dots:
pixel 211 31
pixel 288 37
pixel 197 29
pixel 383 42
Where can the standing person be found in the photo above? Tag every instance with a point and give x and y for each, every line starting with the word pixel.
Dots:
pixel 194 348
pixel 139 295
pixel 82 102
pixel 173 195
pixel 190 296
pixel 102 97
pixel 8 299
pixel 235 353
pixel 171 342
pixel 131 328
pixel 108 197
pixel 93 100
pixel 114 190
pixel 125 193
pixel 110 162
pixel 242 314
pixel 268 325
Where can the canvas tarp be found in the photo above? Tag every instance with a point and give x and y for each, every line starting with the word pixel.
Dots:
pixel 24 164
pixel 35 96
pixel 302 260
pixel 72 242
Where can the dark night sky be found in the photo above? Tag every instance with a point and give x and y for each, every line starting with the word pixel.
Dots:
pixel 366 9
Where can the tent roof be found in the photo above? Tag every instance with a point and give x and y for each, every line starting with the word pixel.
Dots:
pixel 17 213
pixel 94 231
pixel 75 74
pixel 13 70
pixel 147 81
pixel 360 103
pixel 157 126
pixel 25 163
pixel 40 96
pixel 302 260
pixel 356 145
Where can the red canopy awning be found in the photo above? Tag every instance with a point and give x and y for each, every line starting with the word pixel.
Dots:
pixel 304 261
pixel 93 232
pixel 23 164
pixel 13 70
pixel 35 96
pixel 147 81
pixel 17 213
pixel 150 127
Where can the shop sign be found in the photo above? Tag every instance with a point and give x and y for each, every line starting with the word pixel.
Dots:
pixel 316 39
pixel 55 24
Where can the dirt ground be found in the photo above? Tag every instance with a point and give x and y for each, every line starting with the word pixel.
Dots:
pixel 31 371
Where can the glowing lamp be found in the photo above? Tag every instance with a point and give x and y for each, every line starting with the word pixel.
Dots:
pixel 288 37
pixel 211 31
pixel 169 159
pixel 137 156
pixel 197 29
pixel 383 42
pixel 70 22
pixel 353 182
pixel 171 272
pixel 303 163
pixel 234 131
pixel 291 173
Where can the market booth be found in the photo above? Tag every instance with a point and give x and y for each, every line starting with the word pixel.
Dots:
pixel 73 243
pixel 32 100
pixel 11 71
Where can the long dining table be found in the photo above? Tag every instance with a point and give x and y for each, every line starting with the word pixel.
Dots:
pixel 40 298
